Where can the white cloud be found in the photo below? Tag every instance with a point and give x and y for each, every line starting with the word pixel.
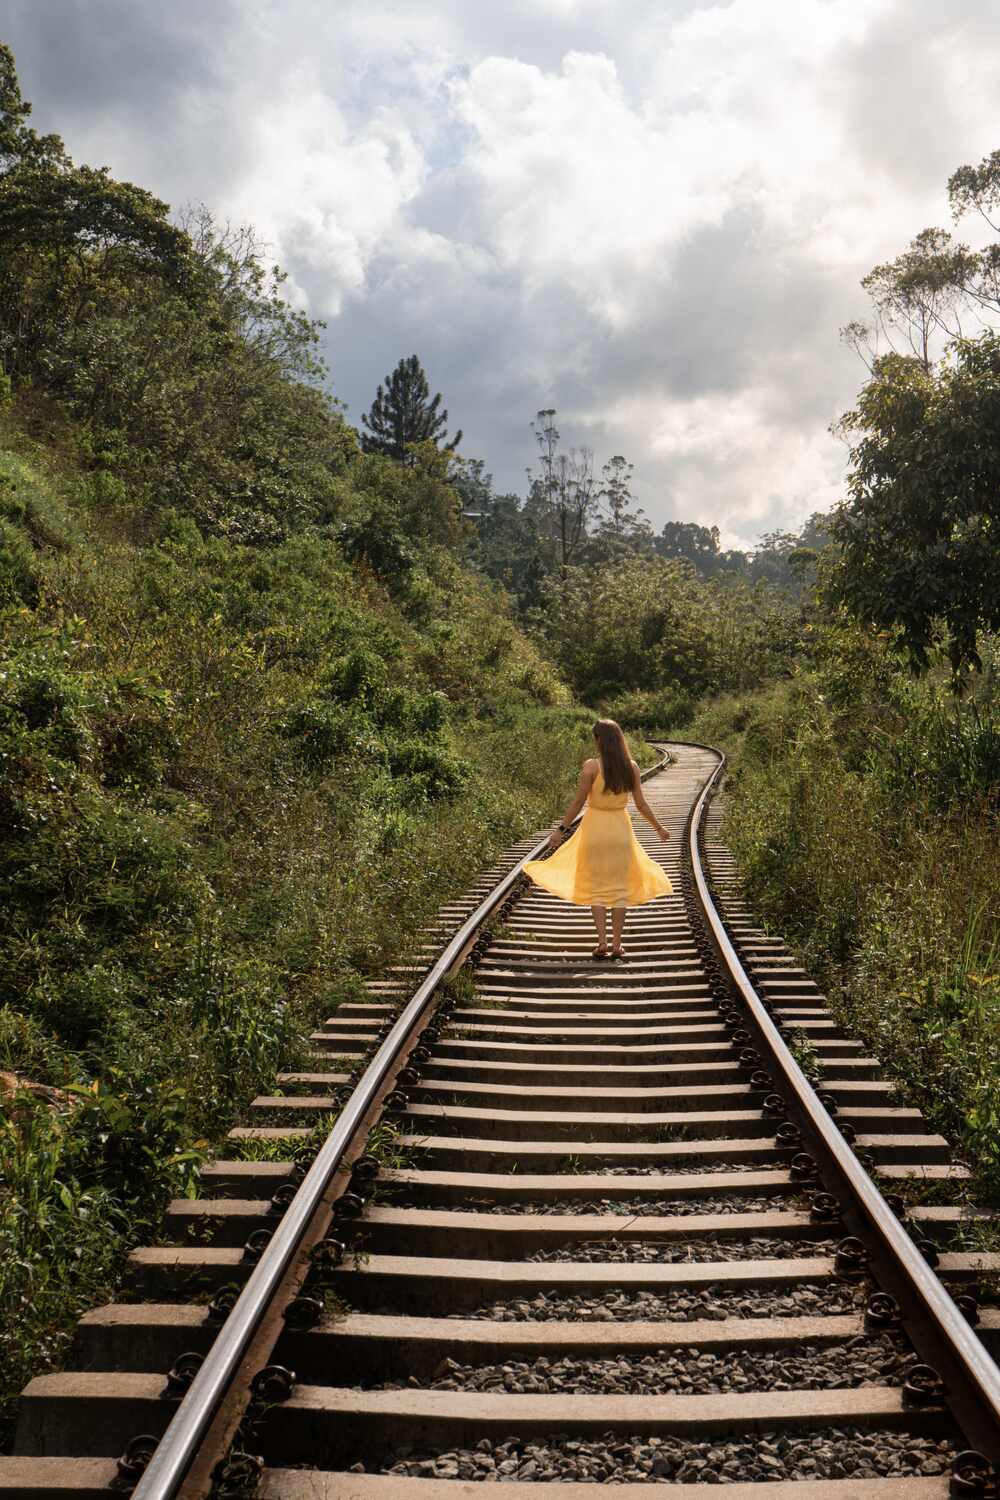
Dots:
pixel 652 216
pixel 328 205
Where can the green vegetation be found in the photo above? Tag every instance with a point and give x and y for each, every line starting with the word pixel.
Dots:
pixel 217 760
pixel 920 548
pixel 649 637
pixel 247 687
pixel 572 520
pixel 863 811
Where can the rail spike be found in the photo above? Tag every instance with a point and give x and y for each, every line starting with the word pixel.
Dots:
pixel 923 1387
pixel 273 1383
pixel 222 1304
pixel 883 1312
pixel 237 1477
pixel 973 1477
pixel 968 1306
pixel 851 1258
pixel 181 1374
pixel 255 1246
pixel 303 1312
pixel 134 1462
pixel 929 1250
pixel 825 1209
pixel 328 1255
pixel 283 1198
pixel 349 1206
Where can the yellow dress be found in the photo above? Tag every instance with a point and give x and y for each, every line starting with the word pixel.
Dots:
pixel 603 863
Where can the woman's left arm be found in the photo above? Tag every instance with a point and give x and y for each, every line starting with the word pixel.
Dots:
pixel 583 786
pixel 642 806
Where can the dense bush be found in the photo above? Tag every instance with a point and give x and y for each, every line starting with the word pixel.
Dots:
pixel 649 625
pixel 215 760
pixel 863 811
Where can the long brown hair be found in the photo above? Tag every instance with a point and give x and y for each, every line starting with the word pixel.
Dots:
pixel 616 762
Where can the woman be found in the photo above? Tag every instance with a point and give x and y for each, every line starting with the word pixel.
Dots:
pixel 604 865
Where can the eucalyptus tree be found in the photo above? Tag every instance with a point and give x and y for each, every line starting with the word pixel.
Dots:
pixel 565 497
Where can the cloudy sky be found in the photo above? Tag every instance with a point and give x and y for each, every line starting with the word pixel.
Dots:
pixel 650 214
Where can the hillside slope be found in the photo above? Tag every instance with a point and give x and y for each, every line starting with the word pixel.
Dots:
pixel 235 779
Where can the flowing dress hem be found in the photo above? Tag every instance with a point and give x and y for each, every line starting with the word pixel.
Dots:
pixel 610 901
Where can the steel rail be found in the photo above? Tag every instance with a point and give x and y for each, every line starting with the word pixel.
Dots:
pixel 178 1448
pixel 940 1332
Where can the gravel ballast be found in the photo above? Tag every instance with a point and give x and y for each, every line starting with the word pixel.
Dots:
pixel 707 1248
pixel 840 1453
pixel 667 1208
pixel 685 1305
pixel 693 1169
pixel 626 1208
pixel 861 1361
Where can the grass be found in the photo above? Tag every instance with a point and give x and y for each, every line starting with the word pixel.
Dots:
pixel 385 1145
pixel 801 1047
pixel 862 810
pixel 63 1241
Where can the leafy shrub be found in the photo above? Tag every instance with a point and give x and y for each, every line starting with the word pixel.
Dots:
pixel 862 812
pixel 323 732
pixel 60 1241
pixel 374 539
pixel 436 771
pixel 645 624
pixel 667 709
pixel 19 580
pixel 138 740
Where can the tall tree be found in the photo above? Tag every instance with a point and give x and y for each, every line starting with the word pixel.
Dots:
pixel 686 541
pixel 917 299
pixel 616 492
pixel 623 528
pixel 565 496
pixel 507 544
pixel 404 413
pixel 920 535
pixel 67 234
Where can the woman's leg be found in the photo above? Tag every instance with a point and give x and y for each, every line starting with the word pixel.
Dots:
pixel 600 916
pixel 617 927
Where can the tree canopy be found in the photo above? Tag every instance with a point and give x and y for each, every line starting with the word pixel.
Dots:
pixel 920 531
pixel 920 535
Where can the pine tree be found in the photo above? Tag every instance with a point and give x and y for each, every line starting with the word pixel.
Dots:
pixel 403 413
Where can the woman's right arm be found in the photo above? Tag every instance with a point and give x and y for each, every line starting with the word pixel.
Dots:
pixel 642 806
pixel 580 796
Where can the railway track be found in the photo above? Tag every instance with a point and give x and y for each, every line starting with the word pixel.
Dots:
pixel 578 1228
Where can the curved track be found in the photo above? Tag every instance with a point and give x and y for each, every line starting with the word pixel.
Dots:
pixel 616 1239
